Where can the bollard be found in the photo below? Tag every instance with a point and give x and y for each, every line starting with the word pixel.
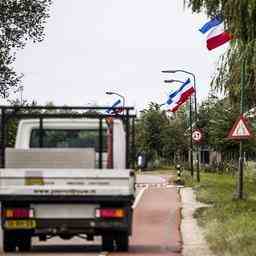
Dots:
pixel 178 179
pixel 178 175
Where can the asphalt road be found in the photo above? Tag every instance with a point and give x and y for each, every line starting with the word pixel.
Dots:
pixel 150 179
pixel 155 227
pixel 156 224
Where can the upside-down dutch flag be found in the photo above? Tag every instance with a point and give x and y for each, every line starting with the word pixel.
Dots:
pixel 217 35
pixel 180 96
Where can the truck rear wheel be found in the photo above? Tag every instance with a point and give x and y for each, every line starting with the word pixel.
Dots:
pixel 107 243
pixel 24 243
pixel 122 241
pixel 9 241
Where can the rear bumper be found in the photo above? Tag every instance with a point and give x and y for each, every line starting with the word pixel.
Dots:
pixel 119 199
pixel 88 226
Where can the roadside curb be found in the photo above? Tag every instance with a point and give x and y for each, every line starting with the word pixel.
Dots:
pixel 194 243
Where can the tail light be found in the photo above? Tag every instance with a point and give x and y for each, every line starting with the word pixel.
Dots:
pixel 18 213
pixel 110 213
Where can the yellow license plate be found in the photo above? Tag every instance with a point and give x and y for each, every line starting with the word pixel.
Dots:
pixel 20 224
pixel 29 181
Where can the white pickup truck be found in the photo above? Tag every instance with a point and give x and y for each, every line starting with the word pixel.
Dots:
pixel 66 176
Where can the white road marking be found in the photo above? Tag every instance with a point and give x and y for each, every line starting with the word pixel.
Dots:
pixel 139 197
pixel 103 254
pixel 171 186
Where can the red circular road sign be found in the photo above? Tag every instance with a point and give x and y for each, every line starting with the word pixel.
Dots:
pixel 197 135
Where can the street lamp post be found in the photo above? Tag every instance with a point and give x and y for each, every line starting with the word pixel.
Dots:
pixel 120 95
pixel 190 124
pixel 196 116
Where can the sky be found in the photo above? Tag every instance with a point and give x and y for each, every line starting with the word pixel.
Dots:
pixel 94 46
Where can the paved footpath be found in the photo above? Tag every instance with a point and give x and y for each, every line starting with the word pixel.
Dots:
pixel 195 244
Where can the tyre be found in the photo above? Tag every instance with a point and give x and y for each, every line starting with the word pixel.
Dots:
pixel 122 241
pixel 107 243
pixel 24 243
pixel 9 241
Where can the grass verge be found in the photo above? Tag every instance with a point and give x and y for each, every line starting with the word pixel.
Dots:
pixel 230 225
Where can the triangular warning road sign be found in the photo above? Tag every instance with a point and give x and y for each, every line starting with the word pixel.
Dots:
pixel 240 129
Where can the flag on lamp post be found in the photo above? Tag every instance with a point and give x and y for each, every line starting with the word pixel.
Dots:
pixel 217 35
pixel 180 96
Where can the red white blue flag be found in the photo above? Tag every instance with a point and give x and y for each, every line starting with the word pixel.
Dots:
pixel 217 35
pixel 180 96
pixel 116 108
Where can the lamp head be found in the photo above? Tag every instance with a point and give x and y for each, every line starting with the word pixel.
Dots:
pixel 169 71
pixel 173 81
pixel 170 81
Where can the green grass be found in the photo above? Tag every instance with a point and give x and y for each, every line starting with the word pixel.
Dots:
pixel 230 224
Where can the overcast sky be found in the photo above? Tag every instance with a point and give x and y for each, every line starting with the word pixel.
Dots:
pixel 92 46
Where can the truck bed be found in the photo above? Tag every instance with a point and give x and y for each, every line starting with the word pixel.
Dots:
pixel 66 184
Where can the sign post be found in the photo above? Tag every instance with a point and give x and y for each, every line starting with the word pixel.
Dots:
pixel 240 131
pixel 197 136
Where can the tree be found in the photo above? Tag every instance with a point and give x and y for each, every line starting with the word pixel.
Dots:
pixel 175 138
pixel 240 20
pixel 161 137
pixel 148 131
pixel 20 21
pixel 216 118
pixel 12 123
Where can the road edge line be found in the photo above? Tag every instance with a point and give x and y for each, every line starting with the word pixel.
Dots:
pixel 137 200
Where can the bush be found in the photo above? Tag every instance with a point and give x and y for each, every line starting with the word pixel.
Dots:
pixel 225 167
